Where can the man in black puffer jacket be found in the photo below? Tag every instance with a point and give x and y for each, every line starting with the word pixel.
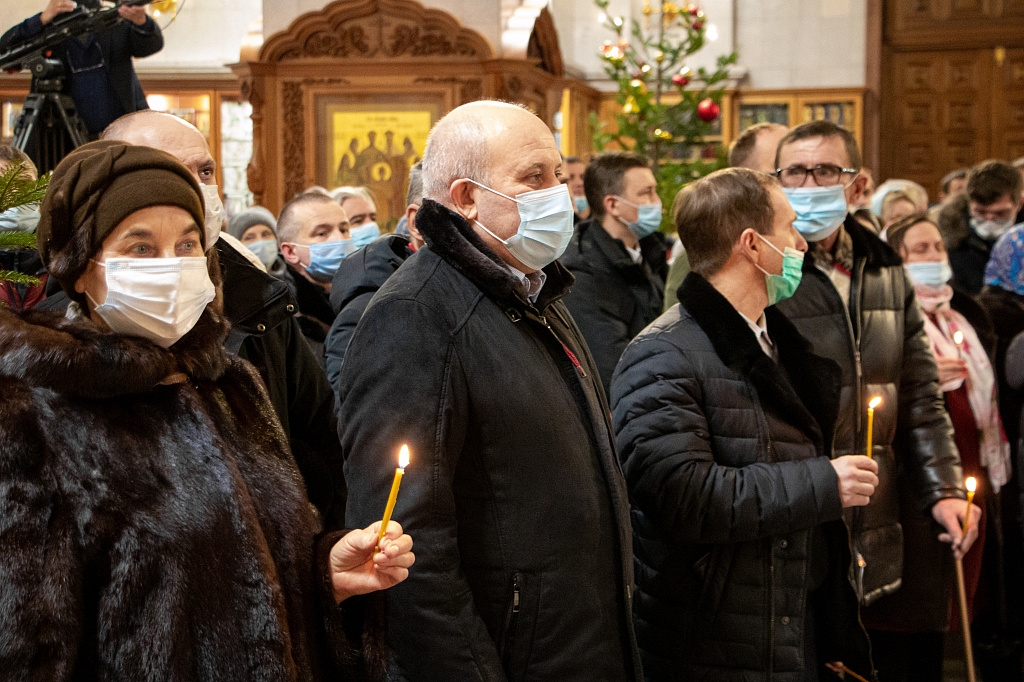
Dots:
pixel 514 493
pixel 724 423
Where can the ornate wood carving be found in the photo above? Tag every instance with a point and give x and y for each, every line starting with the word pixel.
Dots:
pixel 945 24
pixel 376 29
pixel 543 44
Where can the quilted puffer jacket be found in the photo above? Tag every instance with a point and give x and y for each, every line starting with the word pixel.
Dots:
pixel 740 552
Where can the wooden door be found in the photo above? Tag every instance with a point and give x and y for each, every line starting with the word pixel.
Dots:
pixel 952 86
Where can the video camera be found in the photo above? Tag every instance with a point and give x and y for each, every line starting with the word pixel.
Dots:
pixel 90 17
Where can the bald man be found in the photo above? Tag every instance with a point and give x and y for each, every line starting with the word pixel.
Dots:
pixel 514 493
pixel 263 327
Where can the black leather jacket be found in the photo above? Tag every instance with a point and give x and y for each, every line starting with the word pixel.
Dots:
pixel 882 350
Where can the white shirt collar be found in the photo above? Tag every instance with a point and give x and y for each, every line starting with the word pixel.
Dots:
pixel 635 254
pixel 760 329
pixel 532 282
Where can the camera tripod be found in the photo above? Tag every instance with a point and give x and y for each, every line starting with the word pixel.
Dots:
pixel 49 127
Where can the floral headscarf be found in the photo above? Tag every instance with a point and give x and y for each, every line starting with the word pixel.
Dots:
pixel 1005 267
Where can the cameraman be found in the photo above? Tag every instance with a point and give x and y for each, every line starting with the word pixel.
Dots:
pixel 99 74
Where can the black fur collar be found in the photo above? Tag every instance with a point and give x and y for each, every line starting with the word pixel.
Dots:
pixel 806 394
pixel 452 238
pixel 75 357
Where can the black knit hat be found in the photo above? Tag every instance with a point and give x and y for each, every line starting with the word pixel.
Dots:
pixel 96 187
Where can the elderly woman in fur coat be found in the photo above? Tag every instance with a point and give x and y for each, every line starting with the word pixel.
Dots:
pixel 152 521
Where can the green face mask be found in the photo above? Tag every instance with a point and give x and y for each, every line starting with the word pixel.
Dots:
pixel 781 287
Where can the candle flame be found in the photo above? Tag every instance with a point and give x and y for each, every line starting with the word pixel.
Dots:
pixel 958 337
pixel 875 402
pixel 403 457
pixel 972 484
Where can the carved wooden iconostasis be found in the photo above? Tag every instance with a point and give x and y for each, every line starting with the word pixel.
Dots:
pixel 346 95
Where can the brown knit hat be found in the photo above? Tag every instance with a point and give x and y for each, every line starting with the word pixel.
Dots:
pixel 97 186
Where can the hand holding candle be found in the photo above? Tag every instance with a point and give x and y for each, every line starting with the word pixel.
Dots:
pixel 403 462
pixel 875 402
pixel 965 625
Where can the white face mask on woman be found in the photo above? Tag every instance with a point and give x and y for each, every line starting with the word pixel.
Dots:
pixel 160 299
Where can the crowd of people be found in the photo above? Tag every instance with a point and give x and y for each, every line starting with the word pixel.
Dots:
pixel 634 455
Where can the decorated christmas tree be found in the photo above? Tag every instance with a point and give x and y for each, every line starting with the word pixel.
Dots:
pixel 667 108
pixel 17 189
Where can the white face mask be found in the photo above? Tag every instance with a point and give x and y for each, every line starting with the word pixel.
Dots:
pixel 160 299
pixel 991 229
pixel 216 214
pixel 545 225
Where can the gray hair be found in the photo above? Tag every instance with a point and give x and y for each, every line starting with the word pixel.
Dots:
pixel 343 194
pixel 459 147
pixel 415 194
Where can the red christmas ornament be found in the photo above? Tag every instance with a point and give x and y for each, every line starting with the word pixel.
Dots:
pixel 698 25
pixel 707 110
pixel 680 80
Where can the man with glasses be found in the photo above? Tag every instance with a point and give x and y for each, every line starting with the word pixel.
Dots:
pixel 972 223
pixel 857 307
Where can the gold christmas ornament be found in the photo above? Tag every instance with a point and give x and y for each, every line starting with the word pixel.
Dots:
pixel 165 7
pixel 630 107
pixel 638 85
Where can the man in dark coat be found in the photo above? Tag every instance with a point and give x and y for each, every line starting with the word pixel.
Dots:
pixel 973 222
pixel 619 264
pixel 724 424
pixel 363 273
pixel 98 67
pixel 857 307
pixel 514 493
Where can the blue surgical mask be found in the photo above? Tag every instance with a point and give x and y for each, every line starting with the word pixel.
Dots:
pixel 20 219
pixel 819 210
pixel 781 287
pixel 545 225
pixel 581 204
pixel 265 250
pixel 648 218
pixel 364 234
pixel 325 258
pixel 934 274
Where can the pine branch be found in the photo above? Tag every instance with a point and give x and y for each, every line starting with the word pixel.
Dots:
pixel 17 188
pixel 10 239
pixel 18 278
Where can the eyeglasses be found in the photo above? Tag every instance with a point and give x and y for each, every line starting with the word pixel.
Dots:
pixel 824 174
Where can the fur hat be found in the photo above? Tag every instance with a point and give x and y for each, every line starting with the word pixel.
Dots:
pixel 257 215
pixel 97 186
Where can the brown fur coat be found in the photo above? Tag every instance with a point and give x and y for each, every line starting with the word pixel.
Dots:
pixel 151 531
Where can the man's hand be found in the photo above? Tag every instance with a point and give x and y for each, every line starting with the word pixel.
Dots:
pixel 136 15
pixel 949 512
pixel 858 478
pixel 950 369
pixel 55 7
pixel 357 569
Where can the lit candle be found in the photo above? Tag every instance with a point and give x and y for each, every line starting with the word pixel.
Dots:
pixel 972 485
pixel 875 402
pixel 403 461
pixel 958 339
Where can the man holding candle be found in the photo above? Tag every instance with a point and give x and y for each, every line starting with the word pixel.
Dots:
pixel 724 423
pixel 857 307
pixel 513 492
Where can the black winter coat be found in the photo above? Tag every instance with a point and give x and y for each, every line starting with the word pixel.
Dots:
pixel 355 283
pixel 613 298
pixel 726 456
pixel 264 332
pixel 514 494
pixel 315 314
pixel 152 523
pixel 118 44
pixel 968 252
pixel 882 349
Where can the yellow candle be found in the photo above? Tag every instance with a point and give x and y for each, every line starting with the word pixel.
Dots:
pixel 972 485
pixel 875 402
pixel 403 461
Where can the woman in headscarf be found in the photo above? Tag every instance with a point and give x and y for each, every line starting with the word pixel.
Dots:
pixel 961 339
pixel 153 525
